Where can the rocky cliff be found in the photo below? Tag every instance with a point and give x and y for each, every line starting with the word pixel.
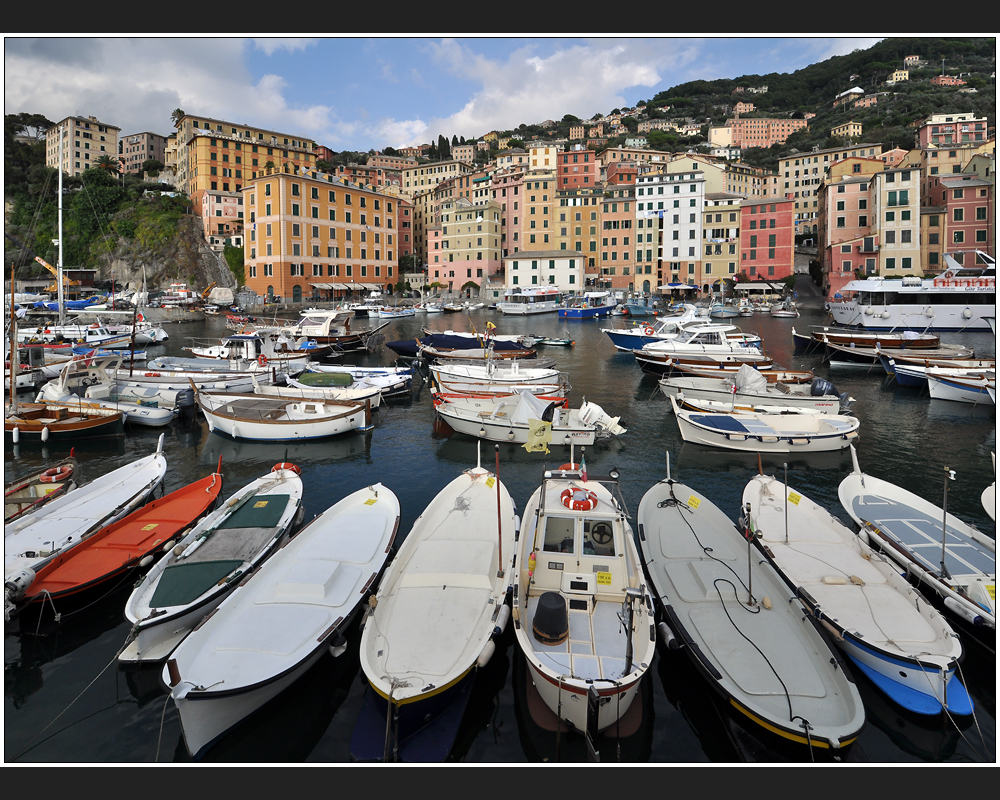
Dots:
pixel 186 258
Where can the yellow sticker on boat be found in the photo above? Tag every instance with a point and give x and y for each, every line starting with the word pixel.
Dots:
pixel 604 578
pixel 150 526
pixel 693 501
pixel 992 589
pixel 371 501
pixel 490 482
pixel 794 498
pixel 260 504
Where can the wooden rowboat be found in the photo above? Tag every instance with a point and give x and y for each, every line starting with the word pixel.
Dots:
pixel 35 490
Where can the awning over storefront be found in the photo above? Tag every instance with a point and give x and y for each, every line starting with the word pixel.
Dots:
pixel 349 287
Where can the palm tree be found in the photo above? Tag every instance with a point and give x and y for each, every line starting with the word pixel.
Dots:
pixel 176 116
pixel 108 164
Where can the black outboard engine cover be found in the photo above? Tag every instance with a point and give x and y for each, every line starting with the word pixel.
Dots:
pixel 821 387
pixel 185 403
pixel 551 622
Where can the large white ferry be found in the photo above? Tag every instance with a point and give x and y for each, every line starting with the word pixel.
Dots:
pixel 960 298
pixel 531 300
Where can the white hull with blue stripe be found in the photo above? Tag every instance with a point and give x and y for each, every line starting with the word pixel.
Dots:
pixel 905 646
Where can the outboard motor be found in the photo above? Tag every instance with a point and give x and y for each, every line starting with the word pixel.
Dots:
pixel 821 387
pixel 185 403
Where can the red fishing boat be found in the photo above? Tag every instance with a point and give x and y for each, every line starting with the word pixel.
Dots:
pixel 126 544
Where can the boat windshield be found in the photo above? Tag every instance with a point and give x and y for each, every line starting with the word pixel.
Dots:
pixel 558 535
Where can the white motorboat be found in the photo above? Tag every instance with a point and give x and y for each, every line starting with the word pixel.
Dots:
pixel 849 355
pixel 953 561
pixel 280 419
pixel 745 631
pixel 391 381
pixel 201 568
pixel 531 300
pixel 583 615
pixel 748 387
pixel 439 607
pixel 262 365
pixel 785 309
pixel 353 393
pixel 665 328
pixel 248 347
pixel 276 625
pixel 989 495
pixel 510 373
pixel 874 615
pixel 33 538
pixel 913 371
pixel 767 433
pixel 960 298
pixel 962 386
pixel 527 419
pixel 86 383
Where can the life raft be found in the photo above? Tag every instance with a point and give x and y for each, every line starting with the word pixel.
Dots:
pixel 578 499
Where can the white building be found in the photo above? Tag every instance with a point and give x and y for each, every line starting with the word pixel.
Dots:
pixel 669 214
pixel 563 269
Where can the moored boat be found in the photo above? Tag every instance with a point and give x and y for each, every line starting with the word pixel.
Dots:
pixel 224 548
pixel 439 607
pixel 746 633
pixel 274 626
pixel 878 619
pixel 30 492
pixel 583 615
pixel 279 419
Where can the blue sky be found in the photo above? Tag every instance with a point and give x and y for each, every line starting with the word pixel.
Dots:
pixel 367 93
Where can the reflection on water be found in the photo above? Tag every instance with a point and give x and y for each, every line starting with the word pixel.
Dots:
pixel 904 438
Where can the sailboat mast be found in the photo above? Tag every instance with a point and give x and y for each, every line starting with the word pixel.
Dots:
pixel 59 261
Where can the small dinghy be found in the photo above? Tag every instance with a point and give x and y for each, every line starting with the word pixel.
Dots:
pixel 439 607
pixel 30 492
pixel 275 625
pixel 224 548
pixel 743 628
pixel 126 545
pixel 583 615
pixel 918 536
pixel 57 526
pixel 881 622
pixel 756 432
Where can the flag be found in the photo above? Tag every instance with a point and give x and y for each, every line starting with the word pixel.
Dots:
pixel 539 436
pixel 583 468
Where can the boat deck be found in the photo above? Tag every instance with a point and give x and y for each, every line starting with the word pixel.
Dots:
pixel 595 649
pixel 920 534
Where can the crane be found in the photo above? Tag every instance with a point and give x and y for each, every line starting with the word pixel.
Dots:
pixel 52 287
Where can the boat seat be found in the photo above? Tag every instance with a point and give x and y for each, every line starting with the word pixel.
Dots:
pixel 782 387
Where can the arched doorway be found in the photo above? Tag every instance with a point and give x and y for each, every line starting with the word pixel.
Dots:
pixel 270 293
pixel 296 294
pixel 645 287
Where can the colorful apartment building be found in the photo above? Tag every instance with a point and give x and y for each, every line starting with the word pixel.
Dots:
pixel 464 152
pixel 946 80
pixel 558 268
pixel 849 130
pixel 720 238
pixel 940 130
pixel 506 188
pixel 763 131
pixel 969 209
pixel 576 169
pixel 844 229
pixel 767 238
pixel 538 210
pixel 669 210
pixel 896 221
pixel 398 163
pixel 464 249
pixel 424 177
pixel 578 226
pixel 85 139
pixel 618 234
pixel 313 236
pixel 135 149
pixel 218 156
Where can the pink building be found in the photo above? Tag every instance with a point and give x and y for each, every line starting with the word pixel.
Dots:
pixel 136 148
pixel 767 238
pixel 506 189
pixel 951 129
pixel 968 203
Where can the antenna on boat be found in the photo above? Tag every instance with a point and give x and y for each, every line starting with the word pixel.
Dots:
pixel 949 475
pixel 668 466
pixel 496 450
pixel 786 502
pixel 749 537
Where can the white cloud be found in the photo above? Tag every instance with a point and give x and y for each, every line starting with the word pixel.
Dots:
pixel 271 45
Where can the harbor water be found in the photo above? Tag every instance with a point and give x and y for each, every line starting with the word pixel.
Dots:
pixel 66 699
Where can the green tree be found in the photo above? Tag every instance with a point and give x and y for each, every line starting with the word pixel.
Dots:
pixel 151 167
pixel 176 116
pixel 108 164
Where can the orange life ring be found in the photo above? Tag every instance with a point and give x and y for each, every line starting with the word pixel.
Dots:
pixel 152 374
pixel 648 330
pixel 56 474
pixel 286 465
pixel 262 360
pixel 95 325
pixel 578 499
pixel 570 467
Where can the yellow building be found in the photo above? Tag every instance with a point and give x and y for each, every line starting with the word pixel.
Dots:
pixel 311 236
pixel 218 156
pixel 849 130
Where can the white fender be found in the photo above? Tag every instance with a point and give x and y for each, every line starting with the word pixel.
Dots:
pixel 486 655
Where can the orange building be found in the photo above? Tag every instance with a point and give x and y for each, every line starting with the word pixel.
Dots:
pixel 318 238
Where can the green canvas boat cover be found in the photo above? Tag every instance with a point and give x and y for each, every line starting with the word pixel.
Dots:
pixel 260 511
pixel 325 379
pixel 181 584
